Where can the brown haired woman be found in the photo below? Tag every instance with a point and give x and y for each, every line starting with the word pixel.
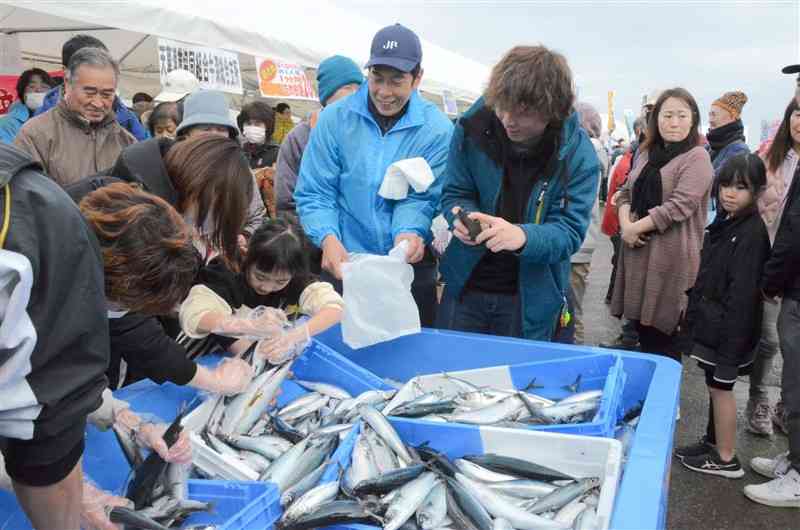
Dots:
pixel 206 178
pixel 662 215
pixel 150 264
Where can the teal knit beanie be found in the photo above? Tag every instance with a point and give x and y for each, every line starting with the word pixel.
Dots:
pixel 335 72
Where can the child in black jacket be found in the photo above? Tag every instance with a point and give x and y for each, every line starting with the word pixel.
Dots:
pixel 723 319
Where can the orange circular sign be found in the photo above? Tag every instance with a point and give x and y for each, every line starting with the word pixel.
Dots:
pixel 267 70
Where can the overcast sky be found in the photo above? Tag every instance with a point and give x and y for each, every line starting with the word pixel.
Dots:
pixel 632 47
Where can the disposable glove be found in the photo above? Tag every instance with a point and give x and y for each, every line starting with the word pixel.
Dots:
pixel 151 436
pixel 95 507
pixel 290 344
pixel 263 322
pixel 230 377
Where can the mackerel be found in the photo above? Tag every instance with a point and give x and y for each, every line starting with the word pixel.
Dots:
pixel 325 388
pixel 410 498
pixel 433 511
pixel 384 429
pixel 311 499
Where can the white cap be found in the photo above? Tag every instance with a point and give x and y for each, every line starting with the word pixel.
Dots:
pixel 177 85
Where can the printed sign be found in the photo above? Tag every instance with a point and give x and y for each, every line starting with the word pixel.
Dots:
pixel 215 69
pixel 277 79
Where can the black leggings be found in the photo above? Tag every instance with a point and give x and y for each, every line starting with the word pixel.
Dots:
pixel 653 340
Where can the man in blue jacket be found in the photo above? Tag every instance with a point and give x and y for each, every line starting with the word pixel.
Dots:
pixel 526 173
pixel 125 116
pixel 356 139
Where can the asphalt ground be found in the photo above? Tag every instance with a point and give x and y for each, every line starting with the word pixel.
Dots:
pixel 697 501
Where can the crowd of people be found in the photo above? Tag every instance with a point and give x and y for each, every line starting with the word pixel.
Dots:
pixel 135 240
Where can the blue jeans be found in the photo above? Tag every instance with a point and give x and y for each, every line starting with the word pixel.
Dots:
pixel 478 312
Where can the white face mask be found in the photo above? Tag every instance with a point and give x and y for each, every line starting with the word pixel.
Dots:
pixel 254 135
pixel 34 100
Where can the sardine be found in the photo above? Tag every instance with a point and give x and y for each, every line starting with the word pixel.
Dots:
pixel 411 497
pixel 481 473
pixel 331 513
pixel 384 429
pixel 499 507
pixel 271 447
pixel 523 488
pixel 325 388
pixel 133 519
pixel 304 484
pixel 589 395
pixel 311 499
pixel 560 497
pixel 433 511
pixel 517 466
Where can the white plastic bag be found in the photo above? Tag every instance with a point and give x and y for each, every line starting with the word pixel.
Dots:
pixel 378 305
pixel 414 172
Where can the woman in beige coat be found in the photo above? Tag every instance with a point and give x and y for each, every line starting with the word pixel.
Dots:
pixel 662 215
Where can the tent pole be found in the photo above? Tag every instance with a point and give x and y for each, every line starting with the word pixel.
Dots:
pixel 12 31
pixel 138 43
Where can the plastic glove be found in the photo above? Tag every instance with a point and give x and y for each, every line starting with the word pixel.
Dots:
pixel 152 435
pixel 95 507
pixel 231 376
pixel 290 344
pixel 265 323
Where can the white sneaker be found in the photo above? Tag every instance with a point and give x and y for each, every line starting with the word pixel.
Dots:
pixel 782 492
pixel 771 467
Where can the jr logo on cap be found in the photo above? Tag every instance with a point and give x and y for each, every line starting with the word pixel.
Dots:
pixel 390 45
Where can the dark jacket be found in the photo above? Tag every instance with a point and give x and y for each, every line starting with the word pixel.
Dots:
pixel 124 115
pixel 139 340
pixel 782 271
pixel 55 355
pixel 725 307
pixel 555 219
pixel 262 155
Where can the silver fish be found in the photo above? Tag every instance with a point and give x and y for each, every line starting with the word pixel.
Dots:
pixel 587 520
pixel 582 396
pixel 502 524
pixel 303 485
pixel 410 498
pixel 384 458
pixel 262 399
pixel 177 478
pixel 565 494
pixel 499 507
pixel 255 461
pixel 570 511
pixel 499 411
pixel 311 499
pixel 270 447
pixel 325 388
pixel 433 511
pixel 477 472
pixel 523 488
pixel 381 425
pixel 300 402
pixel 282 466
pixel 565 413
pixel 239 404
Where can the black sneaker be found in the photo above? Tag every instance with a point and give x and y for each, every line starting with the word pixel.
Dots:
pixel 711 464
pixel 702 447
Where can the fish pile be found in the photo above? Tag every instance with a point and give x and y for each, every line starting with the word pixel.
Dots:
pixel 460 401
pixel 396 486
pixel 289 446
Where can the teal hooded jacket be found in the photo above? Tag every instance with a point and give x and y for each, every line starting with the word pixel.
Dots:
pixel 343 167
pixel 556 217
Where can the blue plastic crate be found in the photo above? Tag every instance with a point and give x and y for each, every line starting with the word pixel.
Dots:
pixel 577 455
pixel 644 491
pixel 240 505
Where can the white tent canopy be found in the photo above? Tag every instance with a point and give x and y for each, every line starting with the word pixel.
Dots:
pixel 294 31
